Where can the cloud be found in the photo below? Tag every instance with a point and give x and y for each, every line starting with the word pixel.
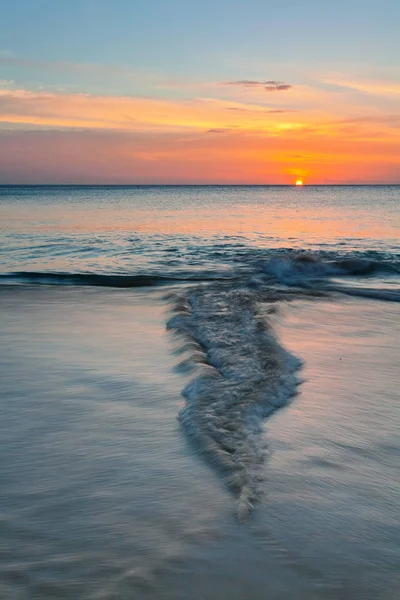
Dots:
pixel 390 119
pixel 86 111
pixel 277 86
pixel 245 82
pixel 218 130
pixel 43 109
pixel 371 87
pixel 271 111
pixel 78 75
pixel 269 86
pixel 372 123
pixel 280 111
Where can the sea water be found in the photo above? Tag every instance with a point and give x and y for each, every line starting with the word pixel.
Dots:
pixel 149 337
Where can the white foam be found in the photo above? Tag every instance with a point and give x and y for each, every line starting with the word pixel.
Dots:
pixel 243 375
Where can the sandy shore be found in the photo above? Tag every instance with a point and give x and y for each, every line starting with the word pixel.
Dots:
pixel 104 497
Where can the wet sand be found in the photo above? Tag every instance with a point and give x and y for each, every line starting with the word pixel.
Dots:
pixel 103 497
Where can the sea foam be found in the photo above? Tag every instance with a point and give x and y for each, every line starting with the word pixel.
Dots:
pixel 243 374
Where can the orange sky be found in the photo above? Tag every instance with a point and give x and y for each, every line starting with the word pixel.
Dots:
pixel 336 131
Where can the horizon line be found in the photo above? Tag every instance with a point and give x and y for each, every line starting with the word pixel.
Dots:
pixel 197 185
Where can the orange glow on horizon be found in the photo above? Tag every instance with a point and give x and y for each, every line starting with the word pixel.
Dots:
pixel 63 137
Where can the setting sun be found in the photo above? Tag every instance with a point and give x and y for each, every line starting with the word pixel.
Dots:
pixel 299 182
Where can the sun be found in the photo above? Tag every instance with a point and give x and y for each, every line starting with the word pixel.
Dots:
pixel 299 182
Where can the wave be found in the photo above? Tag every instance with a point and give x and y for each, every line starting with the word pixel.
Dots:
pixel 291 270
pixel 294 268
pixel 98 279
pixel 280 262
pixel 281 266
pixel 243 375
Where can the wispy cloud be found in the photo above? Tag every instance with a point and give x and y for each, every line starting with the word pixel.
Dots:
pixel 246 107
pixel 68 110
pixel 81 76
pixel 272 111
pixel 102 112
pixel 280 111
pixel 82 137
pixel 134 113
pixel 391 120
pixel 218 130
pixel 268 86
pixel 372 87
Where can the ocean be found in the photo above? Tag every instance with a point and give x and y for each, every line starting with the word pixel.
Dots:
pixel 200 392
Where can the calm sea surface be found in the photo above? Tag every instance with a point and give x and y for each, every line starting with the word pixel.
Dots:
pixel 136 230
pixel 149 336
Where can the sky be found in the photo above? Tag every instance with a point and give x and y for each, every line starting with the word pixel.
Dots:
pixel 222 91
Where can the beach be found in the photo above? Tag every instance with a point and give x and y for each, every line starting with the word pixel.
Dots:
pixel 107 488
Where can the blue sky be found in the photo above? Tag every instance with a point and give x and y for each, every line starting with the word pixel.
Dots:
pixel 194 40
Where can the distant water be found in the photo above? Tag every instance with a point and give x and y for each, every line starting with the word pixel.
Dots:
pixel 106 494
pixel 188 230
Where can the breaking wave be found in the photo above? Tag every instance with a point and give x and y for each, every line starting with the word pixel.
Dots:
pixel 281 266
pixel 297 268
